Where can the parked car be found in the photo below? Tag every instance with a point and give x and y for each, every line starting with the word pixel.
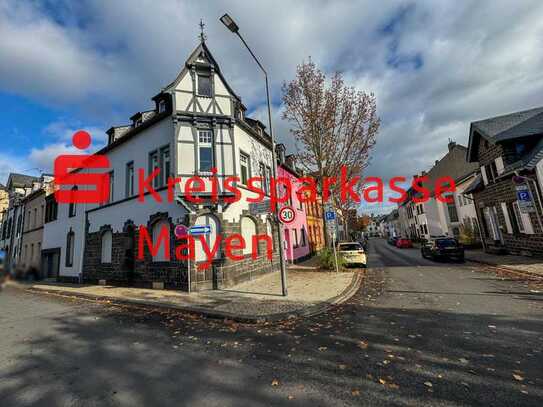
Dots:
pixel 443 247
pixel 404 243
pixel 352 253
pixel 392 240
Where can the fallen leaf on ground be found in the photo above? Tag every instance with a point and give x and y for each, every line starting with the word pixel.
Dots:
pixel 382 381
pixel 363 345
pixel 275 382
pixel 355 392
pixel 323 348
pixel 428 384
pixel 518 377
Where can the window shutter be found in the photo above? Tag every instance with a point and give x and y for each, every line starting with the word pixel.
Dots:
pixel 483 173
pixel 508 225
pixel 527 222
pixel 499 165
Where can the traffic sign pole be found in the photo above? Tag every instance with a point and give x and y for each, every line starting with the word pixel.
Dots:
pixel 335 251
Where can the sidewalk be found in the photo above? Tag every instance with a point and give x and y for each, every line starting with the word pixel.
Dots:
pixel 254 301
pixel 521 264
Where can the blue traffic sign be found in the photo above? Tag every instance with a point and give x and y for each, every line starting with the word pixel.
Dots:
pixel 329 215
pixel 200 230
pixel 524 196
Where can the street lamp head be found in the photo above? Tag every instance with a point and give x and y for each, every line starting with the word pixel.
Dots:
pixel 229 23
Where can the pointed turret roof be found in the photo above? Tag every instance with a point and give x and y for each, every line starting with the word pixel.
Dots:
pixel 201 53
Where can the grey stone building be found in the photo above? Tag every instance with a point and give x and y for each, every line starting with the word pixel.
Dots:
pixel 509 150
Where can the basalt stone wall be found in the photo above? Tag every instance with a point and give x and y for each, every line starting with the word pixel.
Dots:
pixel 226 272
pixel 504 191
pixel 144 271
pixel 223 272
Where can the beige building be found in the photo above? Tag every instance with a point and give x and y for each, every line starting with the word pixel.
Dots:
pixel 33 221
pixel 4 201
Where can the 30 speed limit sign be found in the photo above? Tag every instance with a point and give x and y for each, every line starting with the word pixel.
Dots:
pixel 287 215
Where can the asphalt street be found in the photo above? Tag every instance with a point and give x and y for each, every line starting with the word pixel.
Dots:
pixel 418 333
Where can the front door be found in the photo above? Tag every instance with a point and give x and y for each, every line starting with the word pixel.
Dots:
pixel 51 263
pixel 287 248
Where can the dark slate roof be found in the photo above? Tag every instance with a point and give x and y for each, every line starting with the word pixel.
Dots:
pixel 518 124
pixel 453 165
pixel 500 128
pixel 21 179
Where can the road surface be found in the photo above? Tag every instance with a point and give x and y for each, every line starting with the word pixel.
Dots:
pixel 418 333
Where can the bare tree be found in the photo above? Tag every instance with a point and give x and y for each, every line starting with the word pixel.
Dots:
pixel 334 125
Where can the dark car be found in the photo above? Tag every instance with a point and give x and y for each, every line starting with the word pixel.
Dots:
pixel 392 240
pixel 444 247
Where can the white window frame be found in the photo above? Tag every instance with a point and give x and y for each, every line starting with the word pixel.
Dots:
pixel 207 75
pixel 165 164
pixel 129 181
pixel 106 247
pixel 508 225
pixel 205 140
pixel 499 165
pixel 248 230
pixel 247 166
pixel 483 174
pixel 161 106
pixel 523 220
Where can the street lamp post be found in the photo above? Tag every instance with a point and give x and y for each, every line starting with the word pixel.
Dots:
pixel 232 26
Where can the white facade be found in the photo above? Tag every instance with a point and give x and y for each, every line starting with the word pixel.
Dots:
pixel 189 134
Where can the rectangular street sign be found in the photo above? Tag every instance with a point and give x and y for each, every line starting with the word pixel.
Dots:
pixel 258 208
pixel 200 230
pixel 329 215
pixel 525 201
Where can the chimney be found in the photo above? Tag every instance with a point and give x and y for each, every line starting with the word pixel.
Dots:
pixel 280 151
pixel 290 160
pixel 451 144
pixel 437 161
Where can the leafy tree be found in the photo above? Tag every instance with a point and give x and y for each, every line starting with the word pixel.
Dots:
pixel 334 125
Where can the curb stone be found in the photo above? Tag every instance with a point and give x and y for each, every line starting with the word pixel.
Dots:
pixel 505 268
pixel 309 311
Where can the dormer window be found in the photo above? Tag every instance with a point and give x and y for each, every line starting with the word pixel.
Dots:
pixel 204 85
pixel 161 106
pixel 137 122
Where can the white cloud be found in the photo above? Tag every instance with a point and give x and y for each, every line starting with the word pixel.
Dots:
pixel 477 59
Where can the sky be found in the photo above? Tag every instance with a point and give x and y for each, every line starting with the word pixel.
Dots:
pixel 434 66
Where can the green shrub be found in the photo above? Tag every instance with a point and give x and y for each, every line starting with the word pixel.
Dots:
pixel 327 260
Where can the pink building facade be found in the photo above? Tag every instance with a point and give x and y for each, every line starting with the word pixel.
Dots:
pixel 296 242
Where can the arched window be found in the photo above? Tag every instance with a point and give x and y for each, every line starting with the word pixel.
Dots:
pixel 157 230
pixel 70 242
pixel 210 238
pixel 107 241
pixel 248 230
pixel 72 210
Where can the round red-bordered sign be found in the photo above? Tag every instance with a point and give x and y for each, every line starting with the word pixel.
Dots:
pixel 181 231
pixel 287 215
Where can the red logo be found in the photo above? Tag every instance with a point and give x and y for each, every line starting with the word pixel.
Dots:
pixel 67 172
